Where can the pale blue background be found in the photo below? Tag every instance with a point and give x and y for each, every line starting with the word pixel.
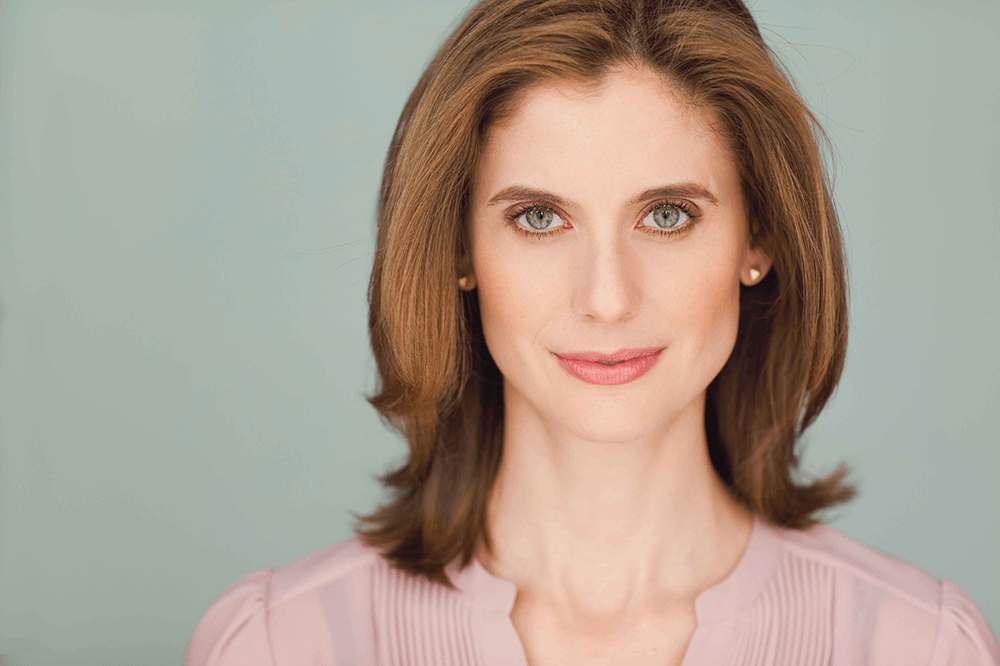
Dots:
pixel 187 195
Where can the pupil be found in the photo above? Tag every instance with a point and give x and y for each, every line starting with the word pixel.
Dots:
pixel 670 213
pixel 536 218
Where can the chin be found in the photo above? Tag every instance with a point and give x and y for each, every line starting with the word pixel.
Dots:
pixel 611 419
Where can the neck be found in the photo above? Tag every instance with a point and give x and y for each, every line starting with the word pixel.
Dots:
pixel 605 531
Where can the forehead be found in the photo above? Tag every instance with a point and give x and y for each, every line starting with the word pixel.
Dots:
pixel 634 130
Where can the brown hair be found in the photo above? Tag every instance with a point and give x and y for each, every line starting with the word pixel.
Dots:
pixel 439 385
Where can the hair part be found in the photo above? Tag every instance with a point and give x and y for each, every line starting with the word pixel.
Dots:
pixel 439 387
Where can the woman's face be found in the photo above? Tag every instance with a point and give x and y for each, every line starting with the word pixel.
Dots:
pixel 602 274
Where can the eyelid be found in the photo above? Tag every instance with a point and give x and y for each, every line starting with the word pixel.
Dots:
pixel 688 208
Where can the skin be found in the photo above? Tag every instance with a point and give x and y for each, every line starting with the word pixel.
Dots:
pixel 607 514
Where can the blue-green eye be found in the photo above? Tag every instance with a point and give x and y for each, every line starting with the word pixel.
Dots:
pixel 538 218
pixel 540 221
pixel 669 216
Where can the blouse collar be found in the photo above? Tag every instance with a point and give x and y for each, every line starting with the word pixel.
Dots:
pixel 724 599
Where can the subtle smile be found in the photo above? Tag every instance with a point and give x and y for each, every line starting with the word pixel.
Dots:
pixel 620 367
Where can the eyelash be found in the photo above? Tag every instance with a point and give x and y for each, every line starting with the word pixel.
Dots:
pixel 682 206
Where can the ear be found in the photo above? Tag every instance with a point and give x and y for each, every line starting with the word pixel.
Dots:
pixel 757 258
pixel 466 274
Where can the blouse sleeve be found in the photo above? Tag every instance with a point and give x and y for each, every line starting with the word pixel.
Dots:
pixel 234 630
pixel 964 636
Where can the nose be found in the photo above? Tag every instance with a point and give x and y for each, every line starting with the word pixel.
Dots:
pixel 607 276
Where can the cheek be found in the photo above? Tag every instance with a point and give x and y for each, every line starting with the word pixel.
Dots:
pixel 512 297
pixel 704 308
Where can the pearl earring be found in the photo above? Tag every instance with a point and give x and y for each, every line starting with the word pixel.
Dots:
pixel 463 283
pixel 754 274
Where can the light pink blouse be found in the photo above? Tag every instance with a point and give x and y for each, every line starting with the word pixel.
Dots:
pixel 795 598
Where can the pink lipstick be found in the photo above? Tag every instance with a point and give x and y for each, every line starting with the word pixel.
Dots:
pixel 619 367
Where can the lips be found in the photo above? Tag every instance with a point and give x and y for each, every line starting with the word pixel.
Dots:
pixel 620 367
pixel 626 354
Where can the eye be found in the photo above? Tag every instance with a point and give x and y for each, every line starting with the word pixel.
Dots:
pixel 538 218
pixel 668 217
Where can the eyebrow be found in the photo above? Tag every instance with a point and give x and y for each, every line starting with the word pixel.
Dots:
pixel 687 190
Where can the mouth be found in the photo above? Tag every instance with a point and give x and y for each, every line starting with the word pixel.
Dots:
pixel 612 358
pixel 620 367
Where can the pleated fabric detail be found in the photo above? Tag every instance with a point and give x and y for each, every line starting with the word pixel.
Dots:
pixel 419 623
pixel 791 621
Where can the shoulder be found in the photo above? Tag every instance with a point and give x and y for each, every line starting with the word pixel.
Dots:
pixel 273 617
pixel 895 610
pixel 869 567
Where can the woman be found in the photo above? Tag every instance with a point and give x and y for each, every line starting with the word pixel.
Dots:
pixel 609 295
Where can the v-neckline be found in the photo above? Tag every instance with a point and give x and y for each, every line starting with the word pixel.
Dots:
pixel 714 604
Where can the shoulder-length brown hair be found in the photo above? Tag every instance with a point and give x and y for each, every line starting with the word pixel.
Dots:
pixel 439 386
